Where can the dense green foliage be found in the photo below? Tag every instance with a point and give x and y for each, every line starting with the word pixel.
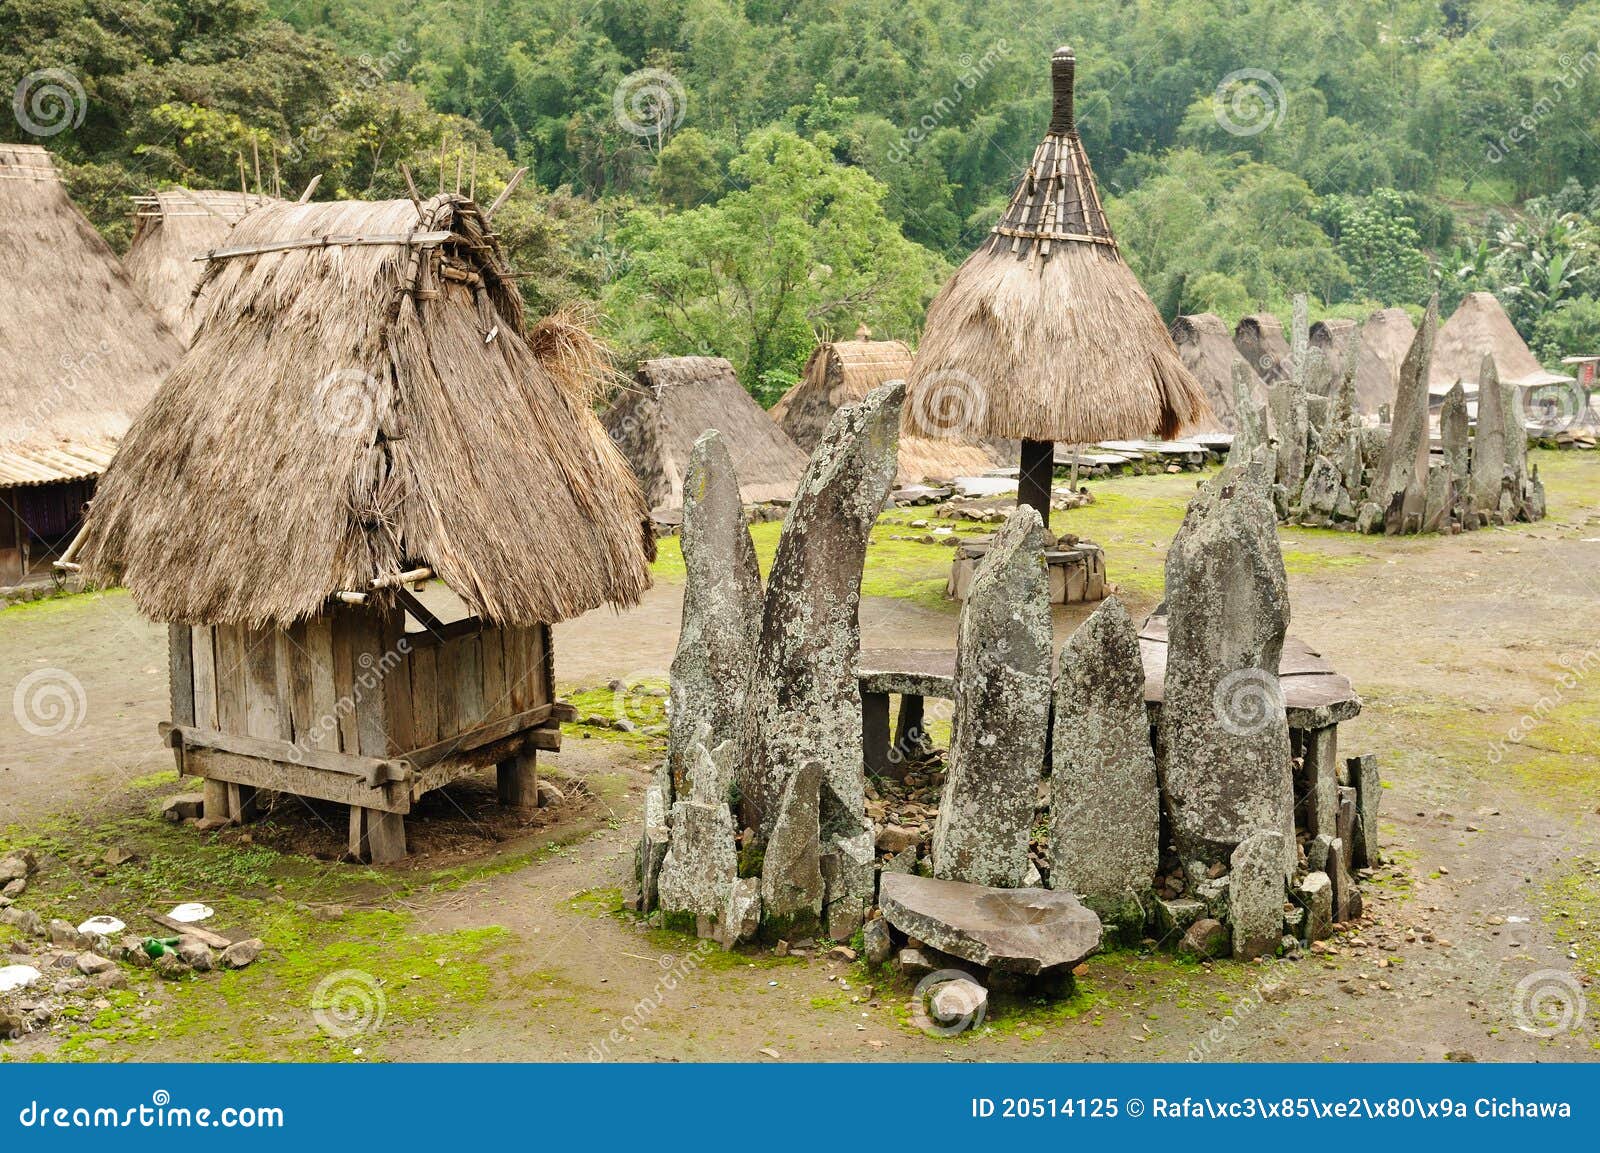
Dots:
pixel 736 177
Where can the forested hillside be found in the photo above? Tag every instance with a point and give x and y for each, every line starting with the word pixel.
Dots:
pixel 737 177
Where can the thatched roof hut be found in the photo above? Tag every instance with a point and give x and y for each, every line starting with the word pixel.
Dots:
pixel 675 399
pixel 170 229
pixel 1206 346
pixel 1386 336
pixel 80 353
pixel 1044 333
pixel 1259 339
pixel 1330 337
pixel 842 372
pixel 1479 327
pixel 360 401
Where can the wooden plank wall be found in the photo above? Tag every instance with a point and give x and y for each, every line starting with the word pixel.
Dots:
pixel 346 682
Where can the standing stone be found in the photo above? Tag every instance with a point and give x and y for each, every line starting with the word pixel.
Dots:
pixel 1287 399
pixel 1315 895
pixel 1255 894
pixel 1439 498
pixel 1250 432
pixel 1402 470
pixel 721 608
pixel 1002 712
pixel 1489 440
pixel 1323 494
pixel 656 838
pixel 1536 500
pixel 1228 770
pixel 742 920
pixel 804 700
pixel 1453 431
pixel 1105 814
pixel 1346 893
pixel 1318 788
pixel 698 872
pixel 791 870
pixel 1365 779
pixel 1342 444
pixel 1516 442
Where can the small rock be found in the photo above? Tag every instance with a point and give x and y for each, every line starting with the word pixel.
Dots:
pixel 171 967
pixel 66 936
pixel 915 962
pixel 1207 938
pixel 92 964
pixel 11 1025
pixel 69 985
pixel 241 953
pixel 550 794
pixel 119 855
pixel 14 889
pixel 196 954
pixel 112 978
pixel 958 1005
pixel 875 934
pixel 15 867
pixel 183 807
pixel 895 839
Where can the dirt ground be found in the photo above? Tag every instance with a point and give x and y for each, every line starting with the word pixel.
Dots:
pixel 504 940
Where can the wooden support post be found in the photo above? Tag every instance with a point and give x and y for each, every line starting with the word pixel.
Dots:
pixel 244 804
pixel 875 734
pixel 215 806
pixel 1318 787
pixel 377 837
pixel 1035 476
pixel 517 779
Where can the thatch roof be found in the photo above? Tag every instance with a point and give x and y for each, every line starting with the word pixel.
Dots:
pixel 1330 337
pixel 675 399
pixel 80 350
pixel 1260 341
pixel 170 229
pixel 1386 336
pixel 843 372
pixel 353 410
pixel 1044 332
pixel 1206 346
pixel 1479 327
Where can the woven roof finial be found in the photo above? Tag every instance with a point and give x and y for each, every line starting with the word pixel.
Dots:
pixel 1062 68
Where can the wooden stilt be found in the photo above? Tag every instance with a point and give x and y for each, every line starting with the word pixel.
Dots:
pixel 1035 475
pixel 215 806
pixel 376 836
pixel 243 803
pixel 517 779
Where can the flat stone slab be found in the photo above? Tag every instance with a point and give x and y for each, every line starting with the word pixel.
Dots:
pixel 1023 931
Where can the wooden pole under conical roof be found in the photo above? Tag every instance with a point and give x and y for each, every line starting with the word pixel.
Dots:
pixel 1044 333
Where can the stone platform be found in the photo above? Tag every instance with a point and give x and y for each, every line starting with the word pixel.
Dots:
pixel 1077 570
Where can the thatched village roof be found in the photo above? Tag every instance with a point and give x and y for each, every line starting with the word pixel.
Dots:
pixel 1386 336
pixel 842 372
pixel 1206 346
pixel 1044 333
pixel 80 350
pixel 170 229
pixel 1330 337
pixel 674 400
pixel 1259 339
pixel 1479 327
pixel 353 410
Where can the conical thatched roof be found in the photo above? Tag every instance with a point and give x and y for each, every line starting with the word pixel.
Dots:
pixel 80 350
pixel 170 229
pixel 674 400
pixel 1330 337
pixel 1206 346
pixel 353 410
pixel 843 372
pixel 1259 339
pixel 1386 336
pixel 1479 327
pixel 1044 332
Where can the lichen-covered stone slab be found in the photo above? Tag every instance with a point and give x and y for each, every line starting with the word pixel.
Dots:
pixel 1402 470
pixel 1105 815
pixel 1224 733
pixel 1489 440
pixel 1255 895
pixel 1002 712
pixel 1027 931
pixel 701 863
pixel 804 702
pixel 1315 895
pixel 656 837
pixel 791 870
pixel 721 608
pixel 742 919
pixel 1368 784
pixel 1454 429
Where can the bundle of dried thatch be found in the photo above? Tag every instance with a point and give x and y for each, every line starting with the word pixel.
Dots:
pixel 1330 337
pixel 843 372
pixel 360 401
pixel 1206 346
pixel 672 401
pixel 80 350
pixel 170 229
pixel 1386 336
pixel 1259 339
pixel 1479 327
pixel 1044 332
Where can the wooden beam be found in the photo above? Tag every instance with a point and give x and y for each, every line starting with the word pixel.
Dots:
pixel 374 771
pixel 343 240
pixel 533 718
